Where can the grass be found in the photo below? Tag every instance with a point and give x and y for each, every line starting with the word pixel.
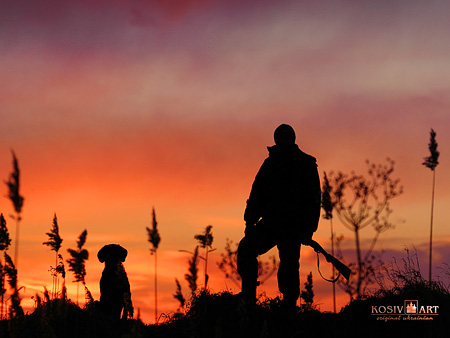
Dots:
pixel 217 315
pixel 225 315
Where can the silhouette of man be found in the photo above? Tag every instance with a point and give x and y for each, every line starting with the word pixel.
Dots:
pixel 283 210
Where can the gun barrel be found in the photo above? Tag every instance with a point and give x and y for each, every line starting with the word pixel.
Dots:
pixel 341 267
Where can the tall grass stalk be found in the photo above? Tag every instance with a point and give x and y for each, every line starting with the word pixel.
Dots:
pixel 205 240
pixel 15 309
pixel 77 262
pixel 5 241
pixel 431 162
pixel 154 238
pixel 54 242
pixel 179 295
pixel 191 276
pixel 60 270
pixel 13 184
pixel 430 272
pixel 327 206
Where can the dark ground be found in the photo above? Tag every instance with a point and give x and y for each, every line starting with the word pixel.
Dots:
pixel 225 315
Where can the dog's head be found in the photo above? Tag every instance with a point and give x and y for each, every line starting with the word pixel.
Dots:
pixel 112 253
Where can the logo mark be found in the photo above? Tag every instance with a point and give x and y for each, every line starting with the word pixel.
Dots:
pixel 411 306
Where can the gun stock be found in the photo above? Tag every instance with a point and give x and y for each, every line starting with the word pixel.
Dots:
pixel 341 267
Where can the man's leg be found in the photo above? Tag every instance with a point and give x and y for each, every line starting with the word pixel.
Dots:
pixel 247 267
pixel 251 246
pixel 288 271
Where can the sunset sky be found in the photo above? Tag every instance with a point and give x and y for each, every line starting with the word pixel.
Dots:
pixel 114 107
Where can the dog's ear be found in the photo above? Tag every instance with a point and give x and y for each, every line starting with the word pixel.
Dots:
pixel 112 252
pixel 102 254
pixel 122 253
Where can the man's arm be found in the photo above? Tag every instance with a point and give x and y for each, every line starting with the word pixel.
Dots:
pixel 317 197
pixel 313 200
pixel 254 209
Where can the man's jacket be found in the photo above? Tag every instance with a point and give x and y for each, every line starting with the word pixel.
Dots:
pixel 286 191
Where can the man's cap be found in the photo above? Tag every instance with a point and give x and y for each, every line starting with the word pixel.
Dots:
pixel 284 134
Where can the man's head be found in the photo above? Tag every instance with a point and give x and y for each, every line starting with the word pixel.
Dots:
pixel 284 135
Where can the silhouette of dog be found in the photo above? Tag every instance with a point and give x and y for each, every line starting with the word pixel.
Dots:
pixel 115 293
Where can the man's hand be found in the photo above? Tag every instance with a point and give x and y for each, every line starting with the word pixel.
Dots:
pixel 306 238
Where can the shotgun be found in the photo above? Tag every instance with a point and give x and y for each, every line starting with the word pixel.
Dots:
pixel 341 267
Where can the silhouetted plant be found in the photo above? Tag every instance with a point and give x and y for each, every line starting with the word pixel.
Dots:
pixel 5 241
pixel 2 288
pixel 405 277
pixel 13 184
pixel 37 300
pixel 77 262
pixel 63 296
pixel 60 270
pixel 15 309
pixel 228 265
pixel 153 234
pixel 368 205
pixel 46 295
pixel 154 238
pixel 432 162
pixel 401 276
pixel 191 276
pixel 54 242
pixel 308 294
pixel 88 296
pixel 178 295
pixel 205 240
pixel 327 206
